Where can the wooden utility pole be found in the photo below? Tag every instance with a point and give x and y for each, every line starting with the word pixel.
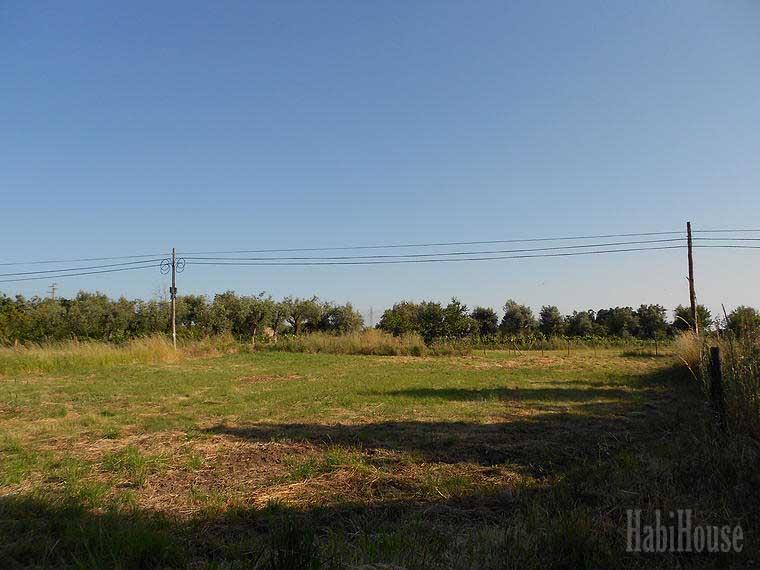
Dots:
pixel 692 294
pixel 173 292
pixel 53 287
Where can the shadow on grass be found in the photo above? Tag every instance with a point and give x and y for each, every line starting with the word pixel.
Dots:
pixel 537 440
pixel 538 444
pixel 563 394
pixel 575 518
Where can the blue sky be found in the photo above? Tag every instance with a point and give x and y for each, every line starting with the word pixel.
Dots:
pixel 134 127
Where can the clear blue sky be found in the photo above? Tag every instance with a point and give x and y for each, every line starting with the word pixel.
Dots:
pixel 132 127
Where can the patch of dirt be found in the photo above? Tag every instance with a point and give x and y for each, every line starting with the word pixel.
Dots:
pixel 253 379
pixel 234 472
pixel 528 362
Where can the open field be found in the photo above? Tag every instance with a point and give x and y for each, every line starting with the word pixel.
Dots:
pixel 282 460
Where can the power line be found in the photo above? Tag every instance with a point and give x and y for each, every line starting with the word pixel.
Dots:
pixel 431 244
pixel 742 230
pixel 431 257
pixel 61 270
pixel 434 254
pixel 384 246
pixel 726 239
pixel 729 246
pixel 82 259
pixel 436 260
pixel 77 274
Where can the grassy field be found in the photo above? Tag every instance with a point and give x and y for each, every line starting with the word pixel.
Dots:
pixel 279 460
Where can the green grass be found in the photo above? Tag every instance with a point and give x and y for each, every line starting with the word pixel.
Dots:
pixel 280 460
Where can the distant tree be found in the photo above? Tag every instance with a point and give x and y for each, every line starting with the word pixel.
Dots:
pixel 457 322
pixel 486 321
pixel 518 319
pixel 551 322
pixel 340 319
pixel 402 318
pixel 88 315
pixel 193 316
pixel 744 321
pixel 651 320
pixel 580 323
pixel 431 319
pixel 151 317
pixel 279 314
pixel 302 313
pixel 620 321
pixel 682 318
pixel 257 314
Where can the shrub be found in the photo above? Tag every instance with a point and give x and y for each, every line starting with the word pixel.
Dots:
pixel 366 342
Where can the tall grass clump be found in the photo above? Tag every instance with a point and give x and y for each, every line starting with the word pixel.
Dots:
pixel 76 356
pixel 689 348
pixel 740 357
pixel 740 363
pixel 369 342
pixel 212 345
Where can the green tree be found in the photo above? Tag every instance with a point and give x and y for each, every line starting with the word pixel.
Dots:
pixel 744 321
pixel 341 319
pixel 193 315
pixel 620 321
pixel 258 311
pixel 682 318
pixel 518 319
pixel 580 323
pixel 457 322
pixel 302 313
pixel 551 322
pixel 651 319
pixel 431 319
pixel 279 315
pixel 486 321
pixel 402 318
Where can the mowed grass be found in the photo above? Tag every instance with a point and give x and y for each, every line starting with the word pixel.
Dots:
pixel 279 460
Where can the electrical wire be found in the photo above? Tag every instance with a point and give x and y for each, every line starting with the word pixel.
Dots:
pixel 433 254
pixel 418 257
pixel 430 244
pixel 77 274
pixel 84 259
pixel 724 239
pixel 437 260
pixel 743 230
pixel 728 246
pixel 79 268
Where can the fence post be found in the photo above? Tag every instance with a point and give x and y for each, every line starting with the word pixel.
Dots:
pixel 716 386
pixel 568 347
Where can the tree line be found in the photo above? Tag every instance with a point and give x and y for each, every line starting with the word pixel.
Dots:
pixel 434 321
pixel 98 317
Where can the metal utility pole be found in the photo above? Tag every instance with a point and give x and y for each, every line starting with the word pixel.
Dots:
pixel 175 265
pixel 692 294
pixel 53 287
pixel 173 292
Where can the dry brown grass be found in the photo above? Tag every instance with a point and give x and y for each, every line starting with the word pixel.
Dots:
pixel 370 341
pixel 688 348
pixel 78 356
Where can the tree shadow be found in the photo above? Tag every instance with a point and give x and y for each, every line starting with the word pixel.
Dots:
pixel 573 518
pixel 538 444
pixel 563 394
